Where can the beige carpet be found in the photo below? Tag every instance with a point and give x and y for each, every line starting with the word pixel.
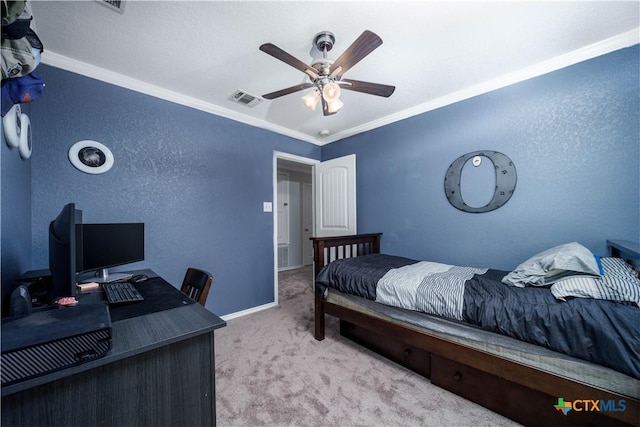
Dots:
pixel 270 371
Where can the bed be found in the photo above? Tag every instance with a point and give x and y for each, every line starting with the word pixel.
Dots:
pixel 528 381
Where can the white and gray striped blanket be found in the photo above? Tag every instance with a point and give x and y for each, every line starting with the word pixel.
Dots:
pixel 428 287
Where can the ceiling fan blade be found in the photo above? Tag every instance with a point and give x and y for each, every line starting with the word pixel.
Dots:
pixel 287 91
pixel 283 56
pixel 368 87
pixel 363 46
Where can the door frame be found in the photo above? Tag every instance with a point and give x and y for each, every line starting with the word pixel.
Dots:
pixel 298 159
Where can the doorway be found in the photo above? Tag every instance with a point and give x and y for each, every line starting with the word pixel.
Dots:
pixel 293 215
pixel 330 192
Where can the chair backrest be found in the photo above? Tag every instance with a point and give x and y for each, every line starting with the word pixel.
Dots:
pixel 196 285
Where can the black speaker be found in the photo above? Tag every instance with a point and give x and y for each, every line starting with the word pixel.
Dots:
pixel 56 338
pixel 20 304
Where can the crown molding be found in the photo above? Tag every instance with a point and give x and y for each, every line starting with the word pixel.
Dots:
pixel 624 40
pixel 603 47
pixel 59 61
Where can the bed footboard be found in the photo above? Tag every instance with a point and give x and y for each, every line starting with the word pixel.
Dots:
pixel 328 249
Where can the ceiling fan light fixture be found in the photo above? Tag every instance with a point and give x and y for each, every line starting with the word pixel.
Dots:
pixel 331 92
pixel 311 99
pixel 326 75
pixel 334 106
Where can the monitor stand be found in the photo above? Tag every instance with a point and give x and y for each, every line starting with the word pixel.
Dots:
pixel 106 277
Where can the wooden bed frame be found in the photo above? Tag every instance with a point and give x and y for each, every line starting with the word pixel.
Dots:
pixel 522 393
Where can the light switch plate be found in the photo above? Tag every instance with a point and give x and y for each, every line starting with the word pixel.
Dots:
pixel 267 207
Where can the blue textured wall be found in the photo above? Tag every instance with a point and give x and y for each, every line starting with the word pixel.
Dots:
pixel 574 138
pixel 196 180
pixel 15 202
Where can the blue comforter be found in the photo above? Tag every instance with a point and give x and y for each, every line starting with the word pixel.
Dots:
pixel 602 332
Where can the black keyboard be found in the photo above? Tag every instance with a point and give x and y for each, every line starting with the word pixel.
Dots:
pixel 118 292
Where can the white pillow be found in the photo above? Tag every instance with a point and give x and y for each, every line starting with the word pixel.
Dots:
pixel 618 283
pixel 547 267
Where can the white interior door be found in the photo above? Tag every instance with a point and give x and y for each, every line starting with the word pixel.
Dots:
pixel 335 197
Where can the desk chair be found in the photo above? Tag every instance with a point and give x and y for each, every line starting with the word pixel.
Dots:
pixel 196 285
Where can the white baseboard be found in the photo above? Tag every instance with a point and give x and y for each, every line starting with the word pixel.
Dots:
pixel 248 311
pixel 294 267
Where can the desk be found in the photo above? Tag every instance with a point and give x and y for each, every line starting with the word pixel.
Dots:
pixel 160 371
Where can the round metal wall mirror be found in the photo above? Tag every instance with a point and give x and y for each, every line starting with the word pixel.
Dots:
pixel 91 157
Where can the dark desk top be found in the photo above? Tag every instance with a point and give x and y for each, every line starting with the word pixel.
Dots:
pixel 135 335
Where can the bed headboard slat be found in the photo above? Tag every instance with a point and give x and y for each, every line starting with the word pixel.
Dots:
pixel 329 249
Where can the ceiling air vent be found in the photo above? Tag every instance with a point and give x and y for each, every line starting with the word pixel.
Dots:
pixel 117 5
pixel 245 98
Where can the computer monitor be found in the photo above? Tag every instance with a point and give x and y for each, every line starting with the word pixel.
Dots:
pixel 65 242
pixel 110 245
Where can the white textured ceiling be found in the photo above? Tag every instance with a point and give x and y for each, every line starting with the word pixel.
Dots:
pixel 198 53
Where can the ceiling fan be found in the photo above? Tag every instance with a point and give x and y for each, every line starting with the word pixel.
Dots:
pixel 326 76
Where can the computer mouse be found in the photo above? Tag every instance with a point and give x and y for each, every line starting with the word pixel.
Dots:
pixel 138 278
